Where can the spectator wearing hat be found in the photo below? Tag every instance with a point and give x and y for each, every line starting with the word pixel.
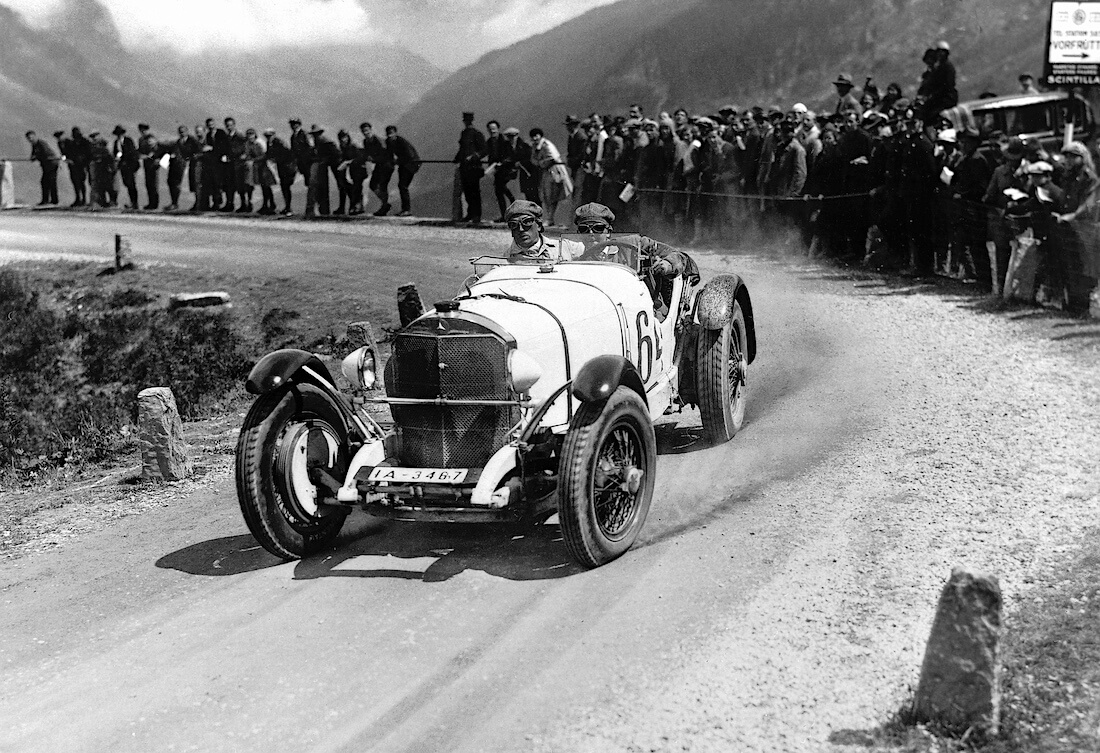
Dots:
pixel 1078 262
pixel 349 184
pixel 301 146
pixel 1027 84
pixel 529 245
pixel 149 148
pixel 378 164
pixel 49 160
pixel 129 161
pixel 968 185
pixel 1005 176
pixel 917 179
pixel 846 100
pixel 180 153
pixel 407 161
pixel 554 181
pixel 236 173
pixel 326 156
pixel 279 152
pixel 210 180
pixel 591 167
pixel 716 167
pixel 892 95
pixel 938 90
pixel 574 155
pixel 499 152
pixel 74 151
pixel 944 216
pixel 102 171
pixel 768 138
pixel 654 164
pixel 1039 210
pixel 468 172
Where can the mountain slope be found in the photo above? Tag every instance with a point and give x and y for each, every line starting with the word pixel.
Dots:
pixel 77 72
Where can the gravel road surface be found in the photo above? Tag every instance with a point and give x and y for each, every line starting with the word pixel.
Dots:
pixel 779 599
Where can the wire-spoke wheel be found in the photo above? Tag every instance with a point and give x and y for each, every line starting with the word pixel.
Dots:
pixel 287 436
pixel 722 371
pixel 606 476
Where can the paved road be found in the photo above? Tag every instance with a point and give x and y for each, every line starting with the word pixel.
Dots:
pixel 778 599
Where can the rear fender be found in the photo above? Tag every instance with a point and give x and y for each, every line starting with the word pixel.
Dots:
pixel 714 306
pixel 601 376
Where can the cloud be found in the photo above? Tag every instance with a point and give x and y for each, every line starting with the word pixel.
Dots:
pixel 195 25
pixel 450 33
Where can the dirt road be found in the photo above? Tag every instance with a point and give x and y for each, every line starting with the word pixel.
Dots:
pixel 779 599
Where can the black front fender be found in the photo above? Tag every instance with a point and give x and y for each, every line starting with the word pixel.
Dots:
pixel 278 368
pixel 714 306
pixel 601 376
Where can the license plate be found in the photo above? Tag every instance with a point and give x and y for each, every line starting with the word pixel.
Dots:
pixel 419 475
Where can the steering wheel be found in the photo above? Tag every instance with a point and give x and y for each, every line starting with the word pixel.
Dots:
pixel 594 252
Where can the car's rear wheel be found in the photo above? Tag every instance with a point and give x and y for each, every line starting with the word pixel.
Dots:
pixel 285 435
pixel 720 378
pixel 606 476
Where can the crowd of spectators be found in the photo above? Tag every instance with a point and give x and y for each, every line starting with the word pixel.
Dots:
pixel 878 177
pixel 224 166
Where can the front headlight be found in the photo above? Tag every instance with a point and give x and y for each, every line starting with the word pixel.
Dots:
pixel 523 370
pixel 359 368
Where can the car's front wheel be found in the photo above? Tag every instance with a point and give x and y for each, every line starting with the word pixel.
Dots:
pixel 606 474
pixel 285 435
pixel 721 367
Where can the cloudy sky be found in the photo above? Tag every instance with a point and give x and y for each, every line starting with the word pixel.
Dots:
pixel 449 33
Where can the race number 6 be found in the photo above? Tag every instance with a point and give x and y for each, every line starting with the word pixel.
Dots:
pixel 646 350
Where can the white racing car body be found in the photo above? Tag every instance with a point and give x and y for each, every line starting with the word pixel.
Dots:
pixel 533 392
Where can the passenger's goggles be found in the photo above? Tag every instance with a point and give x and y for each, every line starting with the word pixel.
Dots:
pixel 594 228
pixel 521 223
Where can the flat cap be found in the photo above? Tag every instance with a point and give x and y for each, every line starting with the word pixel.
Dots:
pixel 843 79
pixel 593 211
pixel 1039 168
pixel 522 208
pixel 511 131
pixel 316 129
pixel 295 121
pixel 1076 147
pixel 947 136
pixel 943 45
pixel 800 108
pixel 727 108
pixel 571 120
pixel 58 134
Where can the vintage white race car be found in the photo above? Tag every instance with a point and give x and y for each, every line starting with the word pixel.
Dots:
pixel 532 392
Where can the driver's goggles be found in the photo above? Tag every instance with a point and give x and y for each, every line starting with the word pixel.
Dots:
pixel 594 228
pixel 521 223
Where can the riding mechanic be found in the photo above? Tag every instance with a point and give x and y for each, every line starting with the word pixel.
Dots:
pixel 665 263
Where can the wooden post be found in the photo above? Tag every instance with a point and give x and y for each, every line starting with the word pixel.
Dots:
pixel 122 254
pixel 164 454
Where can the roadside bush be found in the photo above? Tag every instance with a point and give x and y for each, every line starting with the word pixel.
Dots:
pixel 68 381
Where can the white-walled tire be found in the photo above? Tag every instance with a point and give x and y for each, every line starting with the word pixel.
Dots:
pixel 284 434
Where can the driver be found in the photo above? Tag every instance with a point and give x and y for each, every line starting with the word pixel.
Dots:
pixel 529 245
pixel 665 262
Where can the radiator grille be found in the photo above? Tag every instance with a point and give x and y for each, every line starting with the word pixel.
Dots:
pixel 464 361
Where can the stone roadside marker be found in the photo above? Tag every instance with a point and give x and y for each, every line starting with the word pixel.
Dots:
pixel 164 455
pixel 7 186
pixel 122 253
pixel 360 334
pixel 409 306
pixel 959 686
pixel 197 300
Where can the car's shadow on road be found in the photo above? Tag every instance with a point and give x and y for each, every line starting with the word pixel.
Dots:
pixel 374 548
